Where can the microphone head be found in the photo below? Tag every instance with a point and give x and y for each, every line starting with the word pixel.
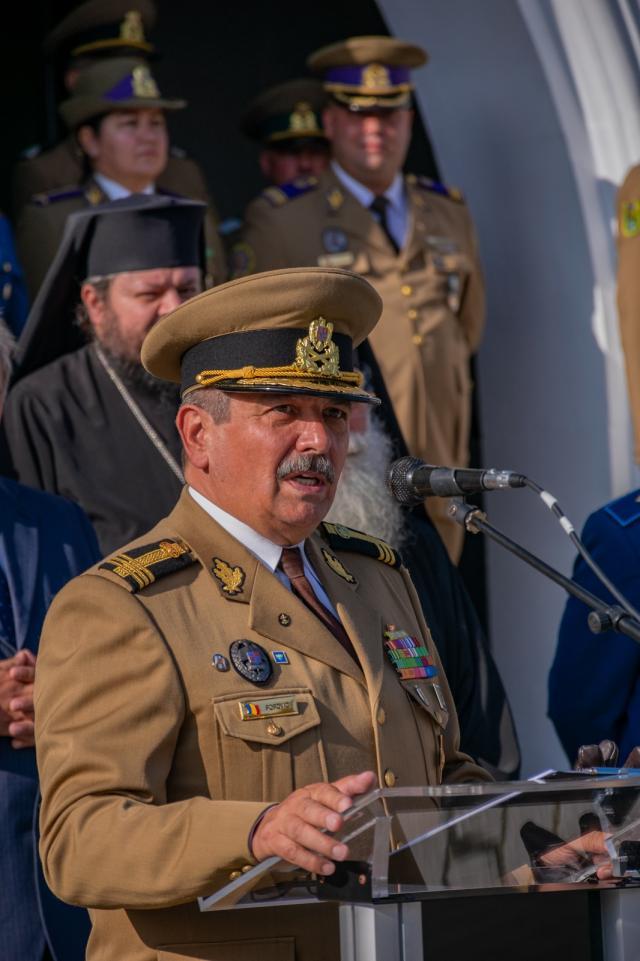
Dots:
pixel 399 481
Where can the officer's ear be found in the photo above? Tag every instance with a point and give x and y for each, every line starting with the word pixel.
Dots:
pixel 194 426
pixel 88 141
pixel 328 120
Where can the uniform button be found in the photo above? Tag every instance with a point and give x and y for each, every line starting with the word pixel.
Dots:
pixel 417 339
pixel 274 729
pixel 235 875
pixel 381 716
pixel 389 777
pixel 7 267
pixel 412 313
pixel 246 867
pixel 284 619
pixel 406 290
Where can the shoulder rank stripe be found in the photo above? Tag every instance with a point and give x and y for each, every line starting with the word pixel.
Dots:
pixel 141 566
pixel 342 538
pixel 54 196
pixel 437 188
pixel 278 196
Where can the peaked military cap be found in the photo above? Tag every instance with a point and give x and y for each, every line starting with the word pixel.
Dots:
pixel 140 232
pixel 122 83
pixel 368 73
pixel 287 114
pixel 287 331
pixel 103 28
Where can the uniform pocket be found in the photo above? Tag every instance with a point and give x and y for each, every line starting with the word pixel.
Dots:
pixel 265 753
pixel 269 949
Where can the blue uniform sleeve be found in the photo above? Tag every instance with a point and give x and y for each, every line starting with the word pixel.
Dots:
pixel 14 302
pixel 594 684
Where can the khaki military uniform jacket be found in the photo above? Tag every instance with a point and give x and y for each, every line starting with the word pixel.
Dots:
pixel 151 780
pixel 628 208
pixel 432 290
pixel 41 226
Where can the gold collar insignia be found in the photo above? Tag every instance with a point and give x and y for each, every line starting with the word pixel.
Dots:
pixel 337 566
pixel 230 578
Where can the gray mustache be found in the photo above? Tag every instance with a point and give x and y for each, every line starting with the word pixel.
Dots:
pixel 307 462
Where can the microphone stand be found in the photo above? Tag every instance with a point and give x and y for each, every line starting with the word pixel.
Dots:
pixel 602 617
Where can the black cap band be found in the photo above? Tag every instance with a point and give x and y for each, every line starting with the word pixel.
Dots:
pixel 270 348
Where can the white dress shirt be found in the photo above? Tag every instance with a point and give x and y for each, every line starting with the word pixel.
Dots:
pixel 265 550
pixel 116 191
pixel 397 208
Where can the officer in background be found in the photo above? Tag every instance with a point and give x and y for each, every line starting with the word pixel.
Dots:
pixel 411 237
pixel 242 593
pixel 286 122
pixel 628 210
pixel 94 31
pixel 117 116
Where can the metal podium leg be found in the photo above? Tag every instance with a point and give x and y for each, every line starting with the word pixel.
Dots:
pixel 620 913
pixel 390 932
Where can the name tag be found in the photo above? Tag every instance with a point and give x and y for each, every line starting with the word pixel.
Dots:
pixel 342 259
pixel 267 707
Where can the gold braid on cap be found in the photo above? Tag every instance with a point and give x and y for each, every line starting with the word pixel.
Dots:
pixel 317 358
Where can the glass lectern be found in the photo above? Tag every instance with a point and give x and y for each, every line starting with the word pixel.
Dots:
pixel 557 832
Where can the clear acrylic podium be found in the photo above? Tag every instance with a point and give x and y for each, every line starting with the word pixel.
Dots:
pixel 556 833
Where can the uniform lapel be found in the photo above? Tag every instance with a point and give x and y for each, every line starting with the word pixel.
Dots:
pixel 362 622
pixel 249 582
pixel 358 221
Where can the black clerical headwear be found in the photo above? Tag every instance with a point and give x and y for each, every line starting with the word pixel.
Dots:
pixel 138 233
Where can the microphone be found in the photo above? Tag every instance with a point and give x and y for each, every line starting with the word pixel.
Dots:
pixel 411 480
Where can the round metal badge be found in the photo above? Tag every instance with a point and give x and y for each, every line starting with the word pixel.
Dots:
pixel 250 661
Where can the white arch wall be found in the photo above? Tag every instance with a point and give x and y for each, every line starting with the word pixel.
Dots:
pixel 518 99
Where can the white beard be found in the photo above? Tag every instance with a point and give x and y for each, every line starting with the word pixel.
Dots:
pixel 362 499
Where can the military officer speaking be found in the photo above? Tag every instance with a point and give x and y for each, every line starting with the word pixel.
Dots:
pixel 166 763
pixel 411 237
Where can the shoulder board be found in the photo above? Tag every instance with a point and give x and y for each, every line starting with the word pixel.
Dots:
pixel 626 510
pixel 278 196
pixel 437 188
pixel 55 196
pixel 140 567
pixel 342 538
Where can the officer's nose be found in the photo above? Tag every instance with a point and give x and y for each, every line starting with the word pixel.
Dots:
pixel 313 436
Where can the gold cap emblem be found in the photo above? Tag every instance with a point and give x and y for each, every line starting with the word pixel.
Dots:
pixel 303 119
pixel 131 28
pixel 143 83
pixel 316 353
pixel 375 76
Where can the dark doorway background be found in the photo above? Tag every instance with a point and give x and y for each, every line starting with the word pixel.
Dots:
pixel 218 57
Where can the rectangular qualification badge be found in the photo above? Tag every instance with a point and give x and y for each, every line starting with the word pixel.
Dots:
pixel 268 707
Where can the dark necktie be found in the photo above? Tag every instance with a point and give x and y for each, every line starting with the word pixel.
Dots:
pixel 7 630
pixel 378 207
pixel 291 565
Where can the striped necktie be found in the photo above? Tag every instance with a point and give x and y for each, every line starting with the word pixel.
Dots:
pixel 292 566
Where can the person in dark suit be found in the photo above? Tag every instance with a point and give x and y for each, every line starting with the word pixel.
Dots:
pixel 594 684
pixel 44 541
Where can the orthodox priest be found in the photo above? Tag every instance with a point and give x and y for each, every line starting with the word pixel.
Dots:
pixel 83 418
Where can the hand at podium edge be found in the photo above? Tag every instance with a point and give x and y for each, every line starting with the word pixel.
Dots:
pixel 292 830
